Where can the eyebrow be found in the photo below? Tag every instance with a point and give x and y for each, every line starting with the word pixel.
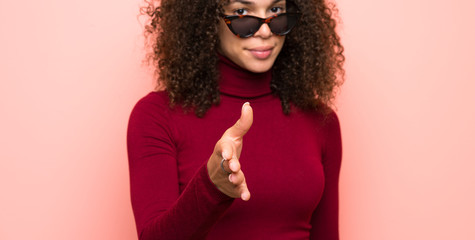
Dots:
pixel 250 3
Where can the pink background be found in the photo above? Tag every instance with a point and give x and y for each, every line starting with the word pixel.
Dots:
pixel 71 71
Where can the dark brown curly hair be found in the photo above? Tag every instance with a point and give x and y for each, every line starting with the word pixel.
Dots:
pixel 183 37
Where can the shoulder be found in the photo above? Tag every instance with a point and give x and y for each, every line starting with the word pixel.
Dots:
pixel 324 118
pixel 153 100
pixel 331 120
pixel 326 124
pixel 151 109
pixel 151 104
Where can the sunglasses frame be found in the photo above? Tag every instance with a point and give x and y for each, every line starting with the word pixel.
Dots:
pixel 229 18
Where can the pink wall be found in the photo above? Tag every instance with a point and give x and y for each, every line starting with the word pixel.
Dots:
pixel 407 113
pixel 70 73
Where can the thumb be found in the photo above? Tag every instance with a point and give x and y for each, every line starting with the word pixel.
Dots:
pixel 240 128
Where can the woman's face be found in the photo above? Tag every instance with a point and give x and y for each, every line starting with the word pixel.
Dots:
pixel 258 52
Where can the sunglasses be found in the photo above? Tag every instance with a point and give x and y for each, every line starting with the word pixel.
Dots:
pixel 245 26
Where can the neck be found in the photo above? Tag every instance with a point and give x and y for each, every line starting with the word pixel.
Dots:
pixel 236 81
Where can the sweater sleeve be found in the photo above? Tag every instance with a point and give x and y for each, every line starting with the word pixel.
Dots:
pixel 325 217
pixel 160 211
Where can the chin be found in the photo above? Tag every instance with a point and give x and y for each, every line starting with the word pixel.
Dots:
pixel 259 69
pixel 258 66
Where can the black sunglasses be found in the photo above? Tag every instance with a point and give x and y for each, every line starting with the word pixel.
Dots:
pixel 245 26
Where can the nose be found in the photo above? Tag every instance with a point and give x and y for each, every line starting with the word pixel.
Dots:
pixel 264 31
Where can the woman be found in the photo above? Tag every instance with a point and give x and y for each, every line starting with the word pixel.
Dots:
pixel 191 177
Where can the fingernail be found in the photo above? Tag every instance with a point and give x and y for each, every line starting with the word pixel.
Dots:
pixel 230 177
pixel 232 166
pixel 246 103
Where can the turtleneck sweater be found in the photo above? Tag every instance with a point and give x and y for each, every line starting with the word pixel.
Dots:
pixel 291 163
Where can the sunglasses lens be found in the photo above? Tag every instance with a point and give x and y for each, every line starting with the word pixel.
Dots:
pixel 282 24
pixel 245 27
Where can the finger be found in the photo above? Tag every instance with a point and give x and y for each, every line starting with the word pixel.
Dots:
pixel 225 150
pixel 234 165
pixel 237 178
pixel 240 128
pixel 245 194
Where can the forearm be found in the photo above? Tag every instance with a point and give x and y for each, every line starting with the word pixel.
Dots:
pixel 192 215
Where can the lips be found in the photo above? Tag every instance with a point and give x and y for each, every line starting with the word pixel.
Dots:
pixel 261 52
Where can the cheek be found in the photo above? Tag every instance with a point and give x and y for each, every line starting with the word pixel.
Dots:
pixel 228 42
pixel 223 37
pixel 280 43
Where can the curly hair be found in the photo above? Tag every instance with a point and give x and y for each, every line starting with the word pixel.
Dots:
pixel 183 38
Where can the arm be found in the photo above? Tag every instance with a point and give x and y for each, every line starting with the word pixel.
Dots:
pixel 325 217
pixel 160 211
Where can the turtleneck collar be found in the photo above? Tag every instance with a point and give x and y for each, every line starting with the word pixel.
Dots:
pixel 236 81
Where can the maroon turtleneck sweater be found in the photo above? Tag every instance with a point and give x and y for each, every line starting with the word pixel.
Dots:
pixel 291 163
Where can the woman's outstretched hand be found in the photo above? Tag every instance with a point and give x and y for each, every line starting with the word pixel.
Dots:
pixel 229 147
